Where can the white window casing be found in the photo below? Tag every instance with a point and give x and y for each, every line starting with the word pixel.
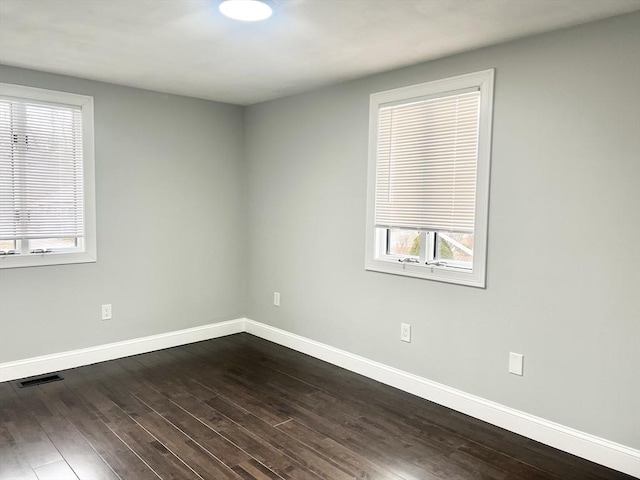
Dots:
pixel 429 166
pixel 47 178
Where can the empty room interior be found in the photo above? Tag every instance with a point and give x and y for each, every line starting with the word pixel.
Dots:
pixel 336 239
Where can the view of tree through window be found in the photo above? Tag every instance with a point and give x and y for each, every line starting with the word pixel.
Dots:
pixel 404 242
pixel 455 246
pixel 449 246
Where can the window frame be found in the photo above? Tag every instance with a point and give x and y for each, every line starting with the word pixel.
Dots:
pixel 86 251
pixel 376 259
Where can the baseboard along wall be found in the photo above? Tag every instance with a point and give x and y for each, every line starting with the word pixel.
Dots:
pixel 110 351
pixel 590 447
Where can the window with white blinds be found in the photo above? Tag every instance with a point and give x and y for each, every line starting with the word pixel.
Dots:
pixel 46 177
pixel 426 164
pixel 41 193
pixel 428 179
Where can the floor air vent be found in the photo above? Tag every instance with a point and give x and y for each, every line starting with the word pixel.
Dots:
pixel 39 380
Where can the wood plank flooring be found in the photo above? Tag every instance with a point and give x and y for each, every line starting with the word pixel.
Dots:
pixel 240 407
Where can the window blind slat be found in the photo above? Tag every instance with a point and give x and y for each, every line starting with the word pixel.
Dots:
pixel 427 164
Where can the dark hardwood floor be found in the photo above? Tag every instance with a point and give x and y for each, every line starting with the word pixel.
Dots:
pixel 240 407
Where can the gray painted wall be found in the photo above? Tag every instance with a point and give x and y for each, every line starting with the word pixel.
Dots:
pixel 170 226
pixel 563 284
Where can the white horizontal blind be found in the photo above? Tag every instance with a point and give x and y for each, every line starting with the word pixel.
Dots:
pixel 427 155
pixel 41 177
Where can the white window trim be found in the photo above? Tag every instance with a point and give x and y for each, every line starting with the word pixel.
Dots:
pixel 477 277
pixel 88 158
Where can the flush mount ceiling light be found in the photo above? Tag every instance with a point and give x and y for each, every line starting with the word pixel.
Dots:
pixel 246 10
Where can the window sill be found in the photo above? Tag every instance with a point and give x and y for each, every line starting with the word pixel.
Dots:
pixel 426 272
pixel 18 261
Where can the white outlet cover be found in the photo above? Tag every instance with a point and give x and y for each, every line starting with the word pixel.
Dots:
pixel 516 363
pixel 106 312
pixel 405 332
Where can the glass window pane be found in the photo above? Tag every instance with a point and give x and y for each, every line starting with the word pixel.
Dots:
pixel 455 246
pixel 7 244
pixel 403 242
pixel 52 243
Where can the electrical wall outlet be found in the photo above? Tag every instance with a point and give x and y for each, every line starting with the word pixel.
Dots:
pixel 276 299
pixel 106 311
pixel 405 332
pixel 516 363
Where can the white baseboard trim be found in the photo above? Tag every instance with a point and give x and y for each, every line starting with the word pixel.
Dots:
pixel 86 356
pixel 590 447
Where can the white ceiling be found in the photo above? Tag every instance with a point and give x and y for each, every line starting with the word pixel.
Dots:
pixel 186 47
